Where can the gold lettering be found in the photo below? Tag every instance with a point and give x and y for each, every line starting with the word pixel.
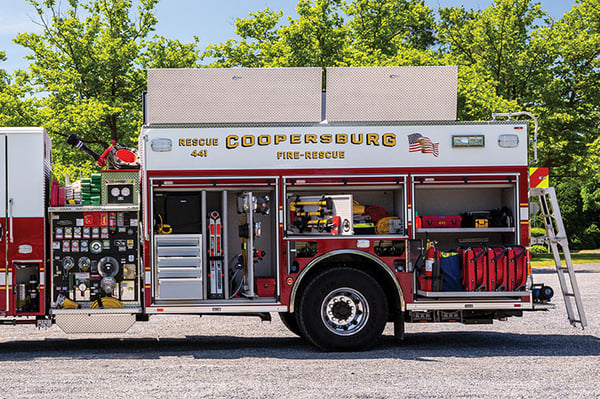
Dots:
pixel 310 138
pixel 279 138
pixel 341 138
pixel 247 140
pixel 295 139
pixel 181 142
pixel 372 138
pixel 356 138
pixel 326 138
pixel 264 139
pixel 231 141
pixel 389 139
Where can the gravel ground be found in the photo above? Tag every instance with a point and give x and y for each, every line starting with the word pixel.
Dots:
pixel 173 357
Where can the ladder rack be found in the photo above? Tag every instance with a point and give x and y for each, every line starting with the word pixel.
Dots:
pixel 556 236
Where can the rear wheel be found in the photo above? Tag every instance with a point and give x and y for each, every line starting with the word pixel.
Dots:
pixel 289 320
pixel 343 309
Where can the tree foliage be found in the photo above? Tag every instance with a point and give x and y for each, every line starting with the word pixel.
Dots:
pixel 15 110
pixel 88 65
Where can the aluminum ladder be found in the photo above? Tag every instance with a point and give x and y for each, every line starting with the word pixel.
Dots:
pixel 556 236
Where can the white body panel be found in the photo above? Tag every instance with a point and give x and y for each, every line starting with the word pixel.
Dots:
pixel 290 147
pixel 28 149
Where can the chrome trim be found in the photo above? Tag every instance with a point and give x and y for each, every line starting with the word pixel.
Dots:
pixel 434 305
pixel 11 203
pixel 93 208
pixel 316 261
pixel 216 309
pixel 133 310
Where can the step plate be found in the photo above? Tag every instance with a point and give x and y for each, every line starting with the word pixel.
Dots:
pixel 77 323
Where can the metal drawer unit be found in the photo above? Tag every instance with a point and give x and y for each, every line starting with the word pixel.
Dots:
pixel 178 266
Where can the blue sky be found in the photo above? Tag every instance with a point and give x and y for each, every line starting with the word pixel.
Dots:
pixel 211 21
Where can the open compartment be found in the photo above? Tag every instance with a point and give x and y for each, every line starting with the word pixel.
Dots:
pixel 233 257
pixel 345 206
pixel 466 210
pixel 27 287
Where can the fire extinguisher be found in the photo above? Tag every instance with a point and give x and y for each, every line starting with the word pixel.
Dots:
pixel 426 279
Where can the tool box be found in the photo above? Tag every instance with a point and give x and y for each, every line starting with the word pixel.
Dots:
pixel 441 221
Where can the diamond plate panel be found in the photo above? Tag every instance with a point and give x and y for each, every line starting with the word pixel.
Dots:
pixel 391 93
pixel 238 95
pixel 94 323
pixel 108 176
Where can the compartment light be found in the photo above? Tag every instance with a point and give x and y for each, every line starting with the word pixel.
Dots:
pixel 508 140
pixel 363 243
pixel 161 145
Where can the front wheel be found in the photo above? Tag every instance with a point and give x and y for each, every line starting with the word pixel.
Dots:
pixel 343 309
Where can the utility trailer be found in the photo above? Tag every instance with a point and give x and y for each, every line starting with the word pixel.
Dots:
pixel 258 193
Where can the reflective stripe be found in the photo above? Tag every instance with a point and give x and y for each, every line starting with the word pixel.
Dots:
pixel 524 214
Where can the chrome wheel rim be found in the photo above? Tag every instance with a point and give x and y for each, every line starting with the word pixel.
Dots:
pixel 345 311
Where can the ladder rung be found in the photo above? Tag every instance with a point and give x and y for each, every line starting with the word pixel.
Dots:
pixel 568 294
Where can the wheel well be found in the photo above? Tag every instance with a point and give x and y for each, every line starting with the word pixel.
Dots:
pixel 359 262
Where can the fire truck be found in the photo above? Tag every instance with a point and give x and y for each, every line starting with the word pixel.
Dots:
pixel 341 206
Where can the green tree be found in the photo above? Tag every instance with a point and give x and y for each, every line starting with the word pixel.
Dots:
pixel 15 110
pixel 316 38
pixel 257 46
pixel 387 27
pixel 89 65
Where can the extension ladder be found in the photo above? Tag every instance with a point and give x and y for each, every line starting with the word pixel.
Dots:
pixel 556 236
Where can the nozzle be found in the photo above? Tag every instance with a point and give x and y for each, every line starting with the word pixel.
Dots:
pixel 75 142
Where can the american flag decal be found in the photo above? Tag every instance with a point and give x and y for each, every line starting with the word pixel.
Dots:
pixel 419 143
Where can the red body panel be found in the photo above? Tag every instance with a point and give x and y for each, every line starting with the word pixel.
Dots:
pixel 27 248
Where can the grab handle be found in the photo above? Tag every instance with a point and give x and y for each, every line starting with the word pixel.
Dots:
pixel 11 202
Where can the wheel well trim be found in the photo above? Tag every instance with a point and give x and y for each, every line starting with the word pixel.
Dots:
pixel 330 254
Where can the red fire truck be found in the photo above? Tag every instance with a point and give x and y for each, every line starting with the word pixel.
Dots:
pixel 256 192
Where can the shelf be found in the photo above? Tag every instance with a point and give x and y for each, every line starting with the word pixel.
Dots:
pixel 468 230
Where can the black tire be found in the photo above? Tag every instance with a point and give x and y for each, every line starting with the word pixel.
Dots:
pixel 342 309
pixel 289 320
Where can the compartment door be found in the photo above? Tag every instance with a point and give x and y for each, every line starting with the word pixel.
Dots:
pixel 4 284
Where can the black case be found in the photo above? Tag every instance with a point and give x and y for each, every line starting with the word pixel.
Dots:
pixel 184 213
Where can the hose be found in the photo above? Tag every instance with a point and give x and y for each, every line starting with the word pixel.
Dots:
pixel 162 227
pixel 65 303
pixel 383 225
pixel 106 302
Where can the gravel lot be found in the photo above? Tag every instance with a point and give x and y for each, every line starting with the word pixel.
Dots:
pixel 539 355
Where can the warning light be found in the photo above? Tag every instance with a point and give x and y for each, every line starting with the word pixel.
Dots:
pixel 289 281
